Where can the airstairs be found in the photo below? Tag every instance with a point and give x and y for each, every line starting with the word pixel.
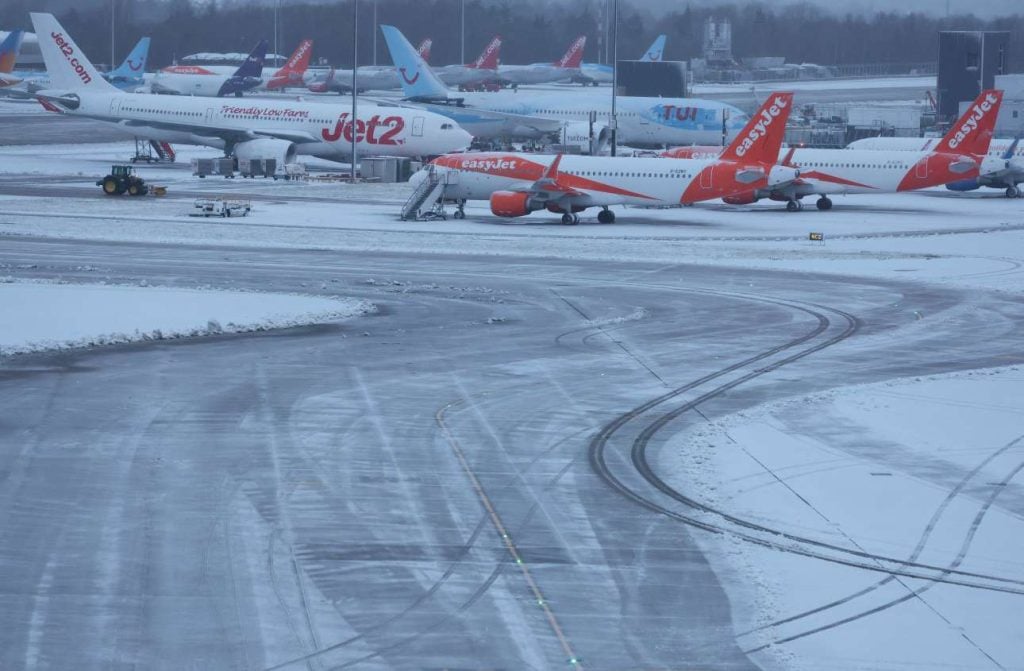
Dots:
pixel 164 150
pixel 153 151
pixel 427 201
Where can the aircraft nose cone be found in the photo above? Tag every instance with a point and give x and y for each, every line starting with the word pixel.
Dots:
pixel 417 177
pixel 456 139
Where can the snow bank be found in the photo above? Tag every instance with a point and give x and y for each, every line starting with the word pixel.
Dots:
pixel 924 469
pixel 45 316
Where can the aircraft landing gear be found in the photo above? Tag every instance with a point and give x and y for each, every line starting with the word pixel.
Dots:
pixel 794 206
pixel 1012 192
pixel 460 212
pixel 606 216
pixel 570 219
pixel 824 203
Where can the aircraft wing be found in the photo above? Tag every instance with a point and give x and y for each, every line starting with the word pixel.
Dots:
pixel 550 190
pixel 16 91
pixel 465 115
pixel 539 124
pixel 512 124
pixel 224 133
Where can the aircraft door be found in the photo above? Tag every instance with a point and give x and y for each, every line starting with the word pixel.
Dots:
pixel 417 126
pixel 707 177
pixel 115 105
pixel 922 169
pixel 209 115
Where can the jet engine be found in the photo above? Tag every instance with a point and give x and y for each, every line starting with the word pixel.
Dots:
pixel 577 134
pixel 964 185
pixel 282 150
pixel 782 174
pixel 511 204
pixel 745 198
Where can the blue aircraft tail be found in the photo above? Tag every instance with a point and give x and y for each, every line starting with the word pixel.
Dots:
pixel 9 50
pixel 418 81
pixel 133 67
pixel 656 50
pixel 253 65
pixel 249 74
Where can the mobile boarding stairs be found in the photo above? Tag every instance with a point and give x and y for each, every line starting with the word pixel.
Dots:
pixel 427 201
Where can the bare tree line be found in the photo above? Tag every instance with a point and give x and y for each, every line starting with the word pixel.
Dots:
pixel 532 31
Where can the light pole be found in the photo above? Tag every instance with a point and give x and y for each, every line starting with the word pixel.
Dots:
pixel 607 19
pixel 375 32
pixel 615 72
pixel 112 13
pixel 355 90
pixel 462 31
pixel 277 6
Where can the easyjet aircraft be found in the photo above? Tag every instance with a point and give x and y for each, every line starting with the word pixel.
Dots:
pixel 250 129
pixel 1010 152
pixel 564 68
pixel 961 155
pixel 291 74
pixel 518 184
pixel 198 80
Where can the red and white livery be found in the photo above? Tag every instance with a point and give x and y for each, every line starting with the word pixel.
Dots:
pixel 565 68
pixel 293 72
pixel 963 154
pixel 481 74
pixel 517 184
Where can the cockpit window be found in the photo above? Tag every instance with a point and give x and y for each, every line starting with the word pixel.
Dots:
pixel 446 126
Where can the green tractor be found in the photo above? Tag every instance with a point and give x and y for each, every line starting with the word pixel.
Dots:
pixel 122 178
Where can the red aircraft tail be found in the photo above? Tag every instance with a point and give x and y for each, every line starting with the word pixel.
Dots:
pixel 959 155
pixel 292 71
pixel 972 132
pixel 750 162
pixel 574 56
pixel 424 49
pixel 760 141
pixel 488 60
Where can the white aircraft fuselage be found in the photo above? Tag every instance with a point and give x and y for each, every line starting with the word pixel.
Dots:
pixel 315 129
pixel 642 121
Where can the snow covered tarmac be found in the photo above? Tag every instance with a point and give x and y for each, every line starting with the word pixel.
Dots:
pixel 38 316
pixel 671 417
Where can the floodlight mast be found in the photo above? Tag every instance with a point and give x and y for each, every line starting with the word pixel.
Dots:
pixel 355 90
